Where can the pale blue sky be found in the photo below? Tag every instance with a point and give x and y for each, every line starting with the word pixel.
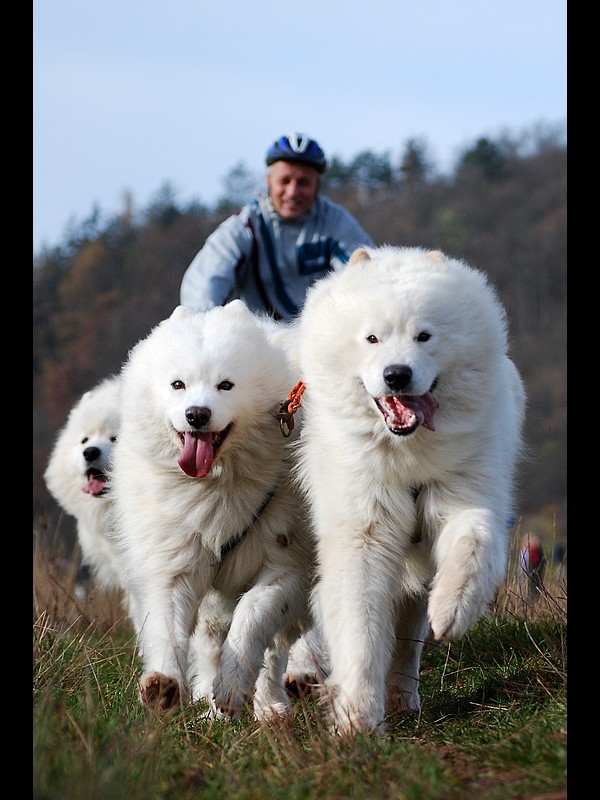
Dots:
pixel 130 94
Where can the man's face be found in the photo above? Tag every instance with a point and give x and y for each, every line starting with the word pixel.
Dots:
pixel 292 188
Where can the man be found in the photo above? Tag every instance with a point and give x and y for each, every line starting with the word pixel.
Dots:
pixel 275 247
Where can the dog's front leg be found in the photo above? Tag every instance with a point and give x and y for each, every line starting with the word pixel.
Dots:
pixel 355 606
pixel 214 619
pixel 163 651
pixel 276 601
pixel 168 616
pixel 471 555
pixel 271 700
pixel 411 630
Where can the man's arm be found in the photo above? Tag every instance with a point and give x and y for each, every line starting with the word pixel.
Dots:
pixel 345 232
pixel 211 278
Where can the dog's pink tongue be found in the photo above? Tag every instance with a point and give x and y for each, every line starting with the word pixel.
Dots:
pixel 197 455
pixel 427 406
pixel 423 407
pixel 96 484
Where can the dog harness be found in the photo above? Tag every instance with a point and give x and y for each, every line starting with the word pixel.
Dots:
pixel 286 411
pixel 289 407
pixel 237 537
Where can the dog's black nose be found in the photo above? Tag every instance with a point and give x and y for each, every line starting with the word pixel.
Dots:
pixel 397 376
pixel 91 454
pixel 197 416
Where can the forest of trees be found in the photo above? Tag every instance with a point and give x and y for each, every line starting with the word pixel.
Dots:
pixel 503 210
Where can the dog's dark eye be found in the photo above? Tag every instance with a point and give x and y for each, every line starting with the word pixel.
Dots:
pixel 225 386
pixel 84 440
pixel 372 339
pixel 113 439
pixel 424 336
pixel 178 385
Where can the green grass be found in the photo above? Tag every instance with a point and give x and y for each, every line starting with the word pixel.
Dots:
pixel 492 723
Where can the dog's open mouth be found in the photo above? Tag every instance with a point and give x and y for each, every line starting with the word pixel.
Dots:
pixel 404 413
pixel 199 451
pixel 97 482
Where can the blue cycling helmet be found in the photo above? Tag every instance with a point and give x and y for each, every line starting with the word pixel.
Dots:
pixel 297 148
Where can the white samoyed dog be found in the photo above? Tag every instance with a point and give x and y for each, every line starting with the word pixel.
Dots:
pixel 76 475
pixel 410 436
pixel 205 515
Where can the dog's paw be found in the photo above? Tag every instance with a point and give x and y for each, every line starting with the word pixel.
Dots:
pixel 228 699
pixel 159 692
pixel 212 713
pixel 452 611
pixel 272 714
pixel 351 717
pixel 347 726
pixel 471 569
pixel 271 702
pixel 402 701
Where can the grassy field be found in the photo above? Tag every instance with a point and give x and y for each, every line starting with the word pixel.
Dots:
pixel 492 723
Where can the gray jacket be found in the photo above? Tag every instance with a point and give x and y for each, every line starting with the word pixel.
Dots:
pixel 270 262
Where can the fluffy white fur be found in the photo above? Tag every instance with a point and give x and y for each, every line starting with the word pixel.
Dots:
pixel 411 432
pixel 200 376
pixel 76 474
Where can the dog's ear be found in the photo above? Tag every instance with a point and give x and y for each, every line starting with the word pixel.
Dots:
pixel 237 306
pixel 436 255
pixel 358 256
pixel 179 312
